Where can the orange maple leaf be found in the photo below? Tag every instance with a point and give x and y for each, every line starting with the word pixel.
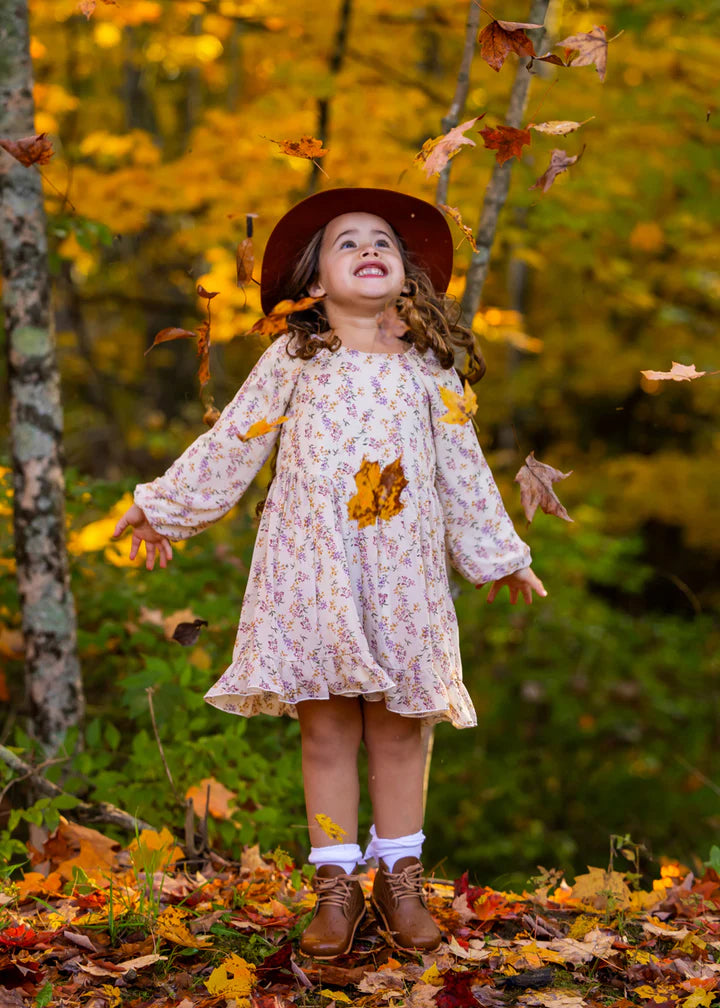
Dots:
pixel 560 161
pixel 587 48
pixel 261 427
pixel 500 38
pixel 506 140
pixel 276 320
pixel 454 214
pixel 437 151
pixel 390 324
pixel 245 258
pixel 305 147
pixel 536 480
pixel 678 372
pixel 378 492
pixel 29 150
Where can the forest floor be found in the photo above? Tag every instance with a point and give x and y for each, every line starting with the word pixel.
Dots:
pixel 94 926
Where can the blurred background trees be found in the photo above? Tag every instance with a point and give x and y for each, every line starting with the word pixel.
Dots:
pixel 598 709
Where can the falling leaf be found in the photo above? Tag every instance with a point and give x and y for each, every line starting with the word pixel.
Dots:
pixel 305 147
pixel 506 140
pixel 245 258
pixel 211 414
pixel 558 127
pixel 460 407
pixel 588 48
pixel 208 295
pixel 678 372
pixel 173 333
pixel 275 322
pixel 29 150
pixel 378 492
pixel 560 161
pixel 203 352
pixel 536 480
pixel 87 7
pixel 454 214
pixel 437 151
pixel 188 633
pixel 233 978
pixel 500 38
pixel 332 829
pixel 219 798
pixel 261 427
pixel 389 323
pixel 172 927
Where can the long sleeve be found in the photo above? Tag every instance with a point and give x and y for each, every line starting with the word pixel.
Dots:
pixel 216 470
pixel 480 536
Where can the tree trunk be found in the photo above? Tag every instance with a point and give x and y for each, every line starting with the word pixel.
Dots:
pixel 53 682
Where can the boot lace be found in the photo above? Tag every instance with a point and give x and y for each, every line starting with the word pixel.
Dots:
pixel 334 891
pixel 406 884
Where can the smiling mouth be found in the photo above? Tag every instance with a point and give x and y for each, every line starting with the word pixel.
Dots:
pixel 371 271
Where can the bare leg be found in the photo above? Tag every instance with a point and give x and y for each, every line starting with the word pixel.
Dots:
pixel 331 731
pixel 396 765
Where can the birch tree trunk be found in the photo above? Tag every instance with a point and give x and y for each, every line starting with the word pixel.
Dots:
pixel 52 672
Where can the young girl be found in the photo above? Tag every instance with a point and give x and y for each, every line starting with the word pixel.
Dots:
pixel 347 621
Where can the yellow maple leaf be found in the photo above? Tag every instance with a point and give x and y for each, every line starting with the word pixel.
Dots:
pixel 261 427
pixel 336 995
pixel 378 492
pixel 332 829
pixel 233 978
pixel 171 926
pixel 460 407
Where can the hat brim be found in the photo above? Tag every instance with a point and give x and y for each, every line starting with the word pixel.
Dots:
pixel 421 226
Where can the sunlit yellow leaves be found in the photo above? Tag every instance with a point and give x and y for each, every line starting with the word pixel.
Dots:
pixel 109 149
pixel 330 828
pixel 178 52
pixel 96 536
pixel 171 926
pixel 261 427
pixel 460 407
pixel 233 978
pixel 378 492
pixel 106 34
pixel 153 850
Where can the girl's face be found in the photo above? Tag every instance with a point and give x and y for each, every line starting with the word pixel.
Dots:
pixel 360 263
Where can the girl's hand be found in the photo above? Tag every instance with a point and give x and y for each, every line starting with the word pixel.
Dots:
pixel 523 581
pixel 155 544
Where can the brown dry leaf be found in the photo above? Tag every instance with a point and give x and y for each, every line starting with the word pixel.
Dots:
pixel 558 127
pixel 207 295
pixel 29 150
pixel 460 407
pixel 211 414
pixel 172 333
pixel 220 798
pixel 261 427
pixel 678 372
pixel 245 258
pixel 500 38
pixel 437 151
pixel 188 633
pixel 203 351
pixel 536 480
pixel 454 214
pixel 588 48
pixel 170 621
pixel 390 324
pixel 552 998
pixel 506 140
pixel 560 161
pixel 171 926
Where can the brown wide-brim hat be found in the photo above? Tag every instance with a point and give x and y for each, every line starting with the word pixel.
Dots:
pixel 421 226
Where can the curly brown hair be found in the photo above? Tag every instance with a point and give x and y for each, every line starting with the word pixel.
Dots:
pixel 433 319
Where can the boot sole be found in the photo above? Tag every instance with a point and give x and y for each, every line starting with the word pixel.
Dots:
pixel 336 955
pixel 388 930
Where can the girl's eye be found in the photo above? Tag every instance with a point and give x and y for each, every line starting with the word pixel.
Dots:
pixel 383 241
pixel 347 243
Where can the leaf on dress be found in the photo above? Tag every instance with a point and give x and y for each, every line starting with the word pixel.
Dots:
pixel 378 492
pixel 329 827
pixel 536 480
pixel 261 427
pixel 460 407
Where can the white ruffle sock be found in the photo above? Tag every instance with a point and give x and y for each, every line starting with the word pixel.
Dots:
pixel 392 849
pixel 345 856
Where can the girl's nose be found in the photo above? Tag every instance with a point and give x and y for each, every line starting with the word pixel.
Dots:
pixel 369 250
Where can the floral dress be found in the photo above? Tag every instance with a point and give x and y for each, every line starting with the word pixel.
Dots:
pixel 337 605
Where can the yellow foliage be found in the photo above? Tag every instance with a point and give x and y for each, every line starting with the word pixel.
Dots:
pixel 233 978
pixel 106 34
pixel 171 926
pixel 154 850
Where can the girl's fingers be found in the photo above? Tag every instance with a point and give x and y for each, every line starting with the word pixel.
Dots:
pixel 135 545
pixel 493 591
pixel 150 554
pixel 120 527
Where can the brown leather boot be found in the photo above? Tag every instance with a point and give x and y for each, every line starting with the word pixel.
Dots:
pixel 398 901
pixel 340 908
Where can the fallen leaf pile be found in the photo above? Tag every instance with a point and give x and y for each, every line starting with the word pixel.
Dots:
pixel 95 925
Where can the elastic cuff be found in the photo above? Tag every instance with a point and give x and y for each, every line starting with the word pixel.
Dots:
pixel 338 852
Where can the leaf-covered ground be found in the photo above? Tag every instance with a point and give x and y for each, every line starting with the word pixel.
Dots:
pixel 92 925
